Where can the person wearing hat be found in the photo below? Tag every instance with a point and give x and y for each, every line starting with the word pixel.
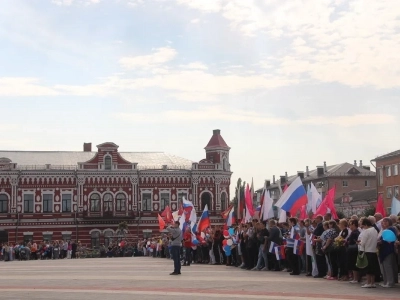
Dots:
pixel 176 243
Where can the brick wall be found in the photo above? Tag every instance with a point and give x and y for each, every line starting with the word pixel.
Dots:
pixel 391 181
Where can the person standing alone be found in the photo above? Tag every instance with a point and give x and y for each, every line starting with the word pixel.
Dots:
pixel 176 242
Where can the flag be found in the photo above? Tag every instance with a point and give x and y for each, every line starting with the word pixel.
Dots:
pixel 175 215
pixel 272 247
pixel 316 198
pixel 204 221
pixel 252 189
pixel 380 206
pixel 298 248
pixel 225 214
pixel 303 212
pixel 267 207
pixel 310 252
pixel 328 204
pixel 257 213
pixel 282 216
pixel 293 198
pixel 280 253
pixel 249 202
pixel 189 211
pixel 167 214
pixel 231 220
pixel 161 222
pixel 395 209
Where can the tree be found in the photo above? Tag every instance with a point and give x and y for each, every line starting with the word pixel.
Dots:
pixel 369 211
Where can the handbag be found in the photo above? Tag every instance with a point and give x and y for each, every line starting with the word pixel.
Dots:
pixel 362 261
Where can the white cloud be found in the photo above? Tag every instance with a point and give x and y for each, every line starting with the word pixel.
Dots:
pixel 195 66
pixel 71 2
pixel 203 5
pixel 159 57
pixel 222 113
pixel 21 86
pixel 195 21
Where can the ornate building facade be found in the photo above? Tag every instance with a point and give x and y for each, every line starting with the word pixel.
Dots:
pixel 85 195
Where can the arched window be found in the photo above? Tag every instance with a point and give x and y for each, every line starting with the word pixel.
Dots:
pixel 3 204
pixel 121 202
pixel 223 201
pixel 95 239
pixel 107 163
pixel 108 238
pixel 95 203
pixel 108 203
pixel 206 199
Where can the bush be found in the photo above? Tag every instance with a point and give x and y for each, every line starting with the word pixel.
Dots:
pixel 370 211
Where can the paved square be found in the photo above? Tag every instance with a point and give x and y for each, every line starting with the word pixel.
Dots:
pixel 148 278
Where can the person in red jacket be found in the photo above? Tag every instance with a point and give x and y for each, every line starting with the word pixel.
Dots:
pixel 187 243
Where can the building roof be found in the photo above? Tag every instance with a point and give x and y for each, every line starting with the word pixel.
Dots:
pixel 388 155
pixel 217 141
pixel 72 158
pixel 359 195
pixel 339 170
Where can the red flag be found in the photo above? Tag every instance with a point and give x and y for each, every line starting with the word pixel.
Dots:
pixel 167 214
pixel 380 206
pixel 303 213
pixel 249 201
pixel 225 214
pixel 161 222
pixel 328 203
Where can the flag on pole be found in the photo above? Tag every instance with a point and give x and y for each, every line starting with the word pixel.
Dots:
pixel 293 198
pixel 280 253
pixel 380 206
pixel 272 247
pixel 282 216
pixel 298 248
pixel 395 209
pixel 204 221
pixel 225 214
pixel 167 214
pixel 310 252
pixel 249 202
pixel 328 204
pixel 316 198
pixel 267 208
pixel 231 220
pixel 161 222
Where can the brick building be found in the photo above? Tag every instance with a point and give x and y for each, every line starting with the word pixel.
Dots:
pixel 347 178
pixel 85 195
pixel 388 178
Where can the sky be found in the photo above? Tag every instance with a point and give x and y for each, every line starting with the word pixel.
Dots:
pixel 290 84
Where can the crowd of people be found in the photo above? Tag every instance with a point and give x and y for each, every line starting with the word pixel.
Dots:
pixel 335 248
pixel 45 250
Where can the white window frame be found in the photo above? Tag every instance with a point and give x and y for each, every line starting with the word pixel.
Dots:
pixel 396 191
pixel 391 192
pixel 395 170
pixel 169 198
pixel 345 185
pixel 182 191
pixel 380 176
pixel 388 171
pixel 72 197
pixel 366 183
pixel 52 202
pixel 151 199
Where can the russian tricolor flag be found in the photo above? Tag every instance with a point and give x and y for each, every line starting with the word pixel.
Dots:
pixel 231 220
pixel 293 198
pixel 204 221
pixel 298 247
pixel 272 247
pixel 280 253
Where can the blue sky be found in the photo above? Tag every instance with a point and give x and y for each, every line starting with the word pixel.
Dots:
pixel 289 83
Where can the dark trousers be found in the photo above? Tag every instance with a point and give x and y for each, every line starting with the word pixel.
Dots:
pixel 188 256
pixel 251 257
pixel 293 260
pixel 333 263
pixel 176 256
pixel 342 261
pixel 321 265
pixel 309 264
pixel 216 253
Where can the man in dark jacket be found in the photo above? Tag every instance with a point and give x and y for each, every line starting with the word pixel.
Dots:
pixel 321 261
pixel 176 243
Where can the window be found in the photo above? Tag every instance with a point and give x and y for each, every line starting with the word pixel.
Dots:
pixel 366 183
pixel 121 202
pixel 3 204
pixel 108 203
pixel 108 237
pixel 107 163
pixel 345 183
pixel 47 237
pixel 66 203
pixel 164 201
pixel 28 238
pixel 223 201
pixel 380 177
pixel 181 196
pixel 395 170
pixel 28 203
pixel 388 171
pixel 396 192
pixel 47 203
pixel 146 202
pixel 389 193
pixel 95 203
pixel 95 239
pixel 66 237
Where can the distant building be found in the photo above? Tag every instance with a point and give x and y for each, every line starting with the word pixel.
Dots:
pixel 84 195
pixel 388 178
pixel 347 178
pixel 356 202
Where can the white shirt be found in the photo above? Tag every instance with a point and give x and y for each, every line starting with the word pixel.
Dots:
pixel 369 239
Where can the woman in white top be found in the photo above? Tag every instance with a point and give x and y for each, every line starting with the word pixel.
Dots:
pixel 368 242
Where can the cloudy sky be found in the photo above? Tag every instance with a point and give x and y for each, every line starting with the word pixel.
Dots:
pixel 289 83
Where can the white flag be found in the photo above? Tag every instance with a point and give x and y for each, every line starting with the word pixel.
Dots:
pixel 267 209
